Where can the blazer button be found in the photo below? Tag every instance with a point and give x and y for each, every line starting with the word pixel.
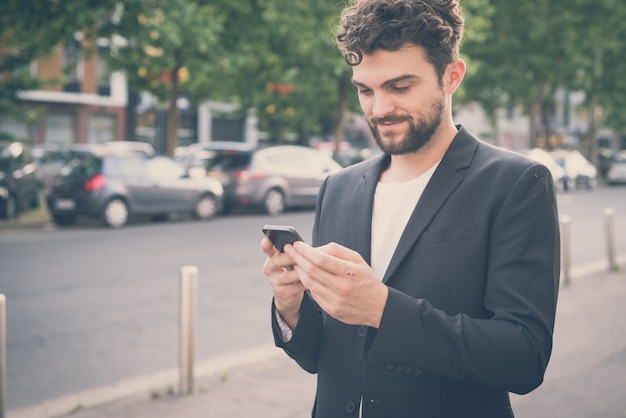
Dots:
pixel 351 407
pixel 362 331
pixel 389 366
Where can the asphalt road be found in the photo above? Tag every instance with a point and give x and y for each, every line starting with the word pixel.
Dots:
pixel 88 306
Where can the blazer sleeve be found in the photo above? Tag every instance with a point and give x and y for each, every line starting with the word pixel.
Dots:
pixel 305 343
pixel 510 348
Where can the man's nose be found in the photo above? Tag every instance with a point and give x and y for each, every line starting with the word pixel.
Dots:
pixel 382 105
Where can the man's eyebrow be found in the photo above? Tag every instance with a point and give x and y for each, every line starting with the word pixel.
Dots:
pixel 388 83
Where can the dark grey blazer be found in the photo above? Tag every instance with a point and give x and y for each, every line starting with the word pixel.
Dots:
pixel 472 291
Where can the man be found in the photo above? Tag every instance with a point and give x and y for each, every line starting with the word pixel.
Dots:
pixel 430 289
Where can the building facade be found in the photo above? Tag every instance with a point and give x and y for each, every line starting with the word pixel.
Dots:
pixel 81 102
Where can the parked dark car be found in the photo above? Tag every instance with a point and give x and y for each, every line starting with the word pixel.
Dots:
pixel 52 157
pixel 617 169
pixel 19 187
pixel 273 178
pixel 112 186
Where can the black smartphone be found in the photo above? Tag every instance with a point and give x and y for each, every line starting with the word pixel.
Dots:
pixel 280 235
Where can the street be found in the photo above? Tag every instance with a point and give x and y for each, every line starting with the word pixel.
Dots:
pixel 88 306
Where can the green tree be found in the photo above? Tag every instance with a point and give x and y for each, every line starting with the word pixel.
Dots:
pixel 522 55
pixel 601 66
pixel 282 61
pixel 166 44
pixel 31 29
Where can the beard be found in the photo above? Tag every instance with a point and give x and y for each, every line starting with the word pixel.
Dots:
pixel 420 132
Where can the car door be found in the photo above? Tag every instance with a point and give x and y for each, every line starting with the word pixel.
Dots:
pixel 318 167
pixel 288 167
pixel 126 176
pixel 173 191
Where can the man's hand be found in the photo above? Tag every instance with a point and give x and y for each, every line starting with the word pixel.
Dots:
pixel 286 286
pixel 341 282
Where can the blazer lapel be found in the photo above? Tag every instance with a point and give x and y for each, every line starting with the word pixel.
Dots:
pixel 444 181
pixel 362 208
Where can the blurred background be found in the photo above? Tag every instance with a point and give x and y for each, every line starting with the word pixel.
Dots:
pixel 249 104
pixel 541 74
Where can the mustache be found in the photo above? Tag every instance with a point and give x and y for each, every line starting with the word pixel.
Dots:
pixel 388 119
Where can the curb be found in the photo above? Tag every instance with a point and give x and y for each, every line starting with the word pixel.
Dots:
pixel 150 383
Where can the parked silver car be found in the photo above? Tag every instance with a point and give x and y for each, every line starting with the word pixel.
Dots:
pixel 580 173
pixel 273 178
pixel 561 181
pixel 113 186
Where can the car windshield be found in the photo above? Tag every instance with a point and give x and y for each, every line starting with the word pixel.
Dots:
pixel 131 165
pixel 224 160
pixel 620 157
pixel 81 167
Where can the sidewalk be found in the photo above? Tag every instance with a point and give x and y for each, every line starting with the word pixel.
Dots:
pixel 586 377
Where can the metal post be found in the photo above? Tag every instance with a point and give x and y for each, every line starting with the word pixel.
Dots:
pixel 3 357
pixel 610 238
pixel 188 301
pixel 565 248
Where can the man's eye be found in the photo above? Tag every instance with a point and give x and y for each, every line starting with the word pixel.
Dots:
pixel 365 91
pixel 400 89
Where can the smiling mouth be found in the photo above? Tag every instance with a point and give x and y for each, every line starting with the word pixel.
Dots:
pixel 387 121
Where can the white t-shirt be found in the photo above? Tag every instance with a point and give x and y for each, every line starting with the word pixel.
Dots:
pixel 393 205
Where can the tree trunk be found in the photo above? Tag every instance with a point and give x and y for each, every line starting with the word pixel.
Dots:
pixel 534 113
pixel 590 142
pixel 173 115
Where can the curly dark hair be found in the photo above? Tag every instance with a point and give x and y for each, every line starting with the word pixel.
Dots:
pixel 369 25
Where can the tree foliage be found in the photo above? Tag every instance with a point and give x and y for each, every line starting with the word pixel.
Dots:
pixel 278 56
pixel 31 29
pixel 526 51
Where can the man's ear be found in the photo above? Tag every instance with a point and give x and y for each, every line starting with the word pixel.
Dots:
pixel 454 75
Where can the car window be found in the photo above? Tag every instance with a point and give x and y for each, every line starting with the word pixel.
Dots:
pixel 223 160
pixel 322 163
pixel 291 159
pixel 27 156
pixel 81 167
pixel 127 166
pixel 4 163
pixel 164 168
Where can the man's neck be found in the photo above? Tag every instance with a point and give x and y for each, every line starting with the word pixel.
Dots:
pixel 406 167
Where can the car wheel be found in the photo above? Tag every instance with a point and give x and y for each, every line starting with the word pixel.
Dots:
pixel 115 213
pixel 9 209
pixel 274 202
pixel 63 220
pixel 206 208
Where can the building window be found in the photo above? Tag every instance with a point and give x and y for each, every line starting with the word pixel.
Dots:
pixel 102 72
pixel 60 128
pixel 100 128
pixel 71 66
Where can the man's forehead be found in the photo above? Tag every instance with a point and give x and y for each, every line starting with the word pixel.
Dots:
pixel 383 67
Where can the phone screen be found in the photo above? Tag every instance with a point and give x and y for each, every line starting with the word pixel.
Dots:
pixel 280 235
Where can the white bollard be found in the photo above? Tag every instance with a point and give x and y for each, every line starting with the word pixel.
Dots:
pixel 610 238
pixel 188 312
